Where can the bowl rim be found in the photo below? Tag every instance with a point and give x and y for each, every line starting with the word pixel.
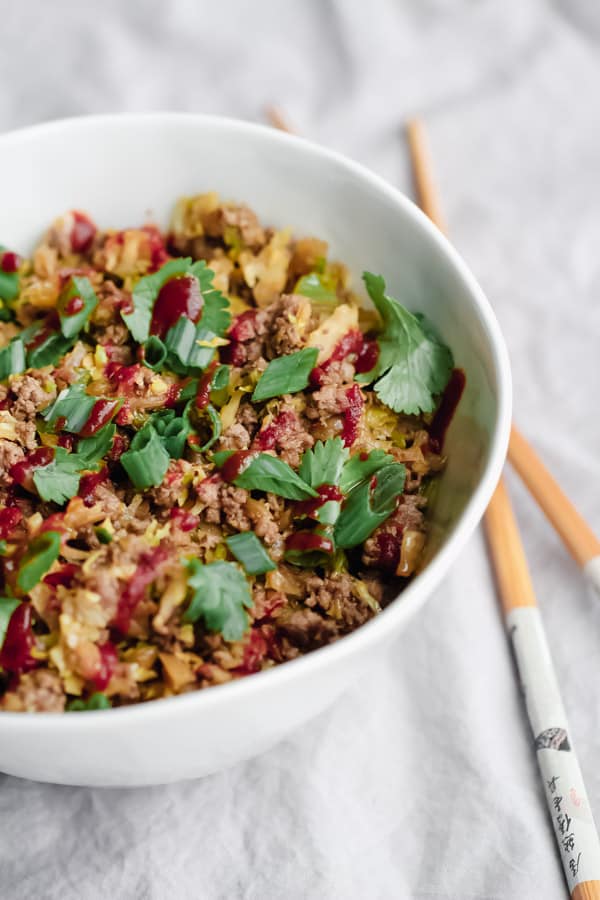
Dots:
pixel 413 597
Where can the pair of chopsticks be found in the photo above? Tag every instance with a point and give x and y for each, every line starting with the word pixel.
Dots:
pixel 569 807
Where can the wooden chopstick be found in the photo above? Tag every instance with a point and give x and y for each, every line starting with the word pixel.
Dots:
pixel 578 537
pixel 565 792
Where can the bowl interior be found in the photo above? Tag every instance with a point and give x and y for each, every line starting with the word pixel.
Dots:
pixel 129 170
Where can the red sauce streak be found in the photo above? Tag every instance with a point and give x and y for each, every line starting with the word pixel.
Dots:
pixel 158 252
pixel 350 345
pixel 62 578
pixel 351 416
pixel 123 417
pixel 65 440
pixel 244 326
pixel 22 472
pixel 142 578
pixel 388 551
pixel 203 393
pixel 15 655
pixel 109 659
pixel 309 540
pixel 9 519
pixel 268 437
pixel 88 485
pixel 74 305
pixel 10 262
pixel 233 354
pixel 180 296
pixel 118 448
pixel 122 377
pixel 183 519
pixel 50 324
pixel 55 522
pixel 255 650
pixel 309 508
pixel 102 412
pixel 173 395
pixel 83 233
pixel 237 463
pixel 445 411
pixel 367 357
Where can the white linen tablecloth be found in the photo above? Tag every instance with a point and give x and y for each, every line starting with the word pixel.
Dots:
pixel 421 781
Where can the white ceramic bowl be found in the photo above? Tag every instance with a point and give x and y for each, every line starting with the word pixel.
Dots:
pixel 126 169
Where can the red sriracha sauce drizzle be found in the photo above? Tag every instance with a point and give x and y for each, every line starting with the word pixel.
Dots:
pixel 237 463
pixel 203 392
pixel 309 540
pixel 180 296
pixel 352 344
pixel 242 329
pixel 351 415
pixel 102 412
pixel 9 519
pixel 267 438
pixel 62 578
pixel 22 472
pixel 173 395
pixel 122 377
pixel 74 305
pixel 310 508
pixel 19 640
pixel 388 550
pixel 183 519
pixel 135 590
pixel 9 262
pixel 255 650
pixel 83 233
pixel 88 485
pixel 445 411
pixel 158 251
pixel 109 659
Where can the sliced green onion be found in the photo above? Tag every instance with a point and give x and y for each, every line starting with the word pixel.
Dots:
pixel 250 551
pixel 12 359
pixel 49 351
pixel 155 353
pixel 96 701
pixel 7 608
pixel 216 426
pixel 317 287
pixel 78 292
pixel 147 460
pixel 40 555
pixel 103 534
pixel 286 375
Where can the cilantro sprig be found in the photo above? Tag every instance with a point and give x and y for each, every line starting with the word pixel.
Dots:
pixel 286 374
pixel 220 596
pixel 58 481
pixel 413 366
pixel 268 473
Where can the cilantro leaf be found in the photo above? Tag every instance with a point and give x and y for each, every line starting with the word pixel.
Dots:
pixel 323 464
pixel 268 473
pixel 38 558
pixel 52 345
pixel 286 374
pixel 413 365
pixel 318 287
pixel 368 505
pixel 75 305
pixel 220 596
pixel 59 480
pixel 12 359
pixel 7 608
pixel 360 468
pixel 147 460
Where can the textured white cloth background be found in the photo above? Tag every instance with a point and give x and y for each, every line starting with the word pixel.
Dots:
pixel 421 782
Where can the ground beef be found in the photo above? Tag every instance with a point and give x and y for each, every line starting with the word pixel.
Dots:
pixel 306 629
pixel 287 434
pixel 286 332
pixel 338 372
pixel 235 438
pixel 265 520
pixel 168 494
pixel 382 549
pixel 37 691
pixel 10 453
pixel 29 396
pixel 26 434
pixel 224 503
pixel 333 594
pixel 244 219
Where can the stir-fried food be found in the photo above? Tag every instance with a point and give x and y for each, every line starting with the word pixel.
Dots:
pixel 213 458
